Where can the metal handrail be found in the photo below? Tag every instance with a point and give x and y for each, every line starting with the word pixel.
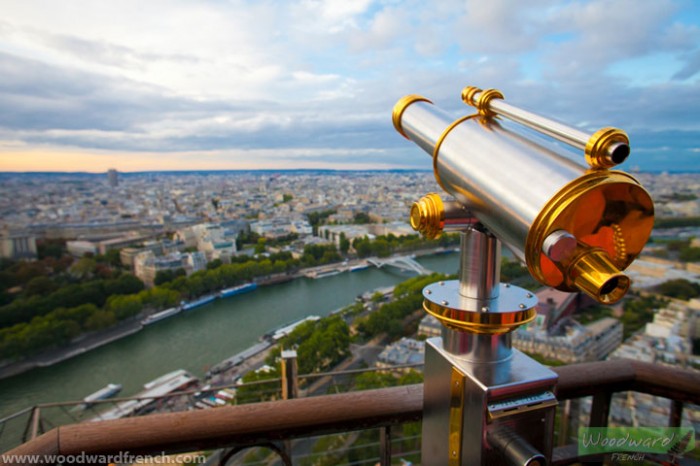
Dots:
pixel 258 423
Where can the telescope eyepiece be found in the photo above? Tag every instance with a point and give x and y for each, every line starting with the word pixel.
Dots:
pixel 593 272
pixel 618 152
pixel 610 286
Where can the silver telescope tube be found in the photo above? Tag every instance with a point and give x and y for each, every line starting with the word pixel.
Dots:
pixel 576 229
pixel 603 149
pixel 501 177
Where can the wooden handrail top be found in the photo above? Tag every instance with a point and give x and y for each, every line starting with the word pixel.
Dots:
pixel 262 422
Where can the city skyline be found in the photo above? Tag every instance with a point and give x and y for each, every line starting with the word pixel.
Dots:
pixel 180 85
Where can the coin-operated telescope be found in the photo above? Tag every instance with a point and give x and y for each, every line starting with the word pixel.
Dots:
pixel 514 179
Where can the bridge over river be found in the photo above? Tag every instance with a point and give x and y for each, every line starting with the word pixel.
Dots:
pixel 400 262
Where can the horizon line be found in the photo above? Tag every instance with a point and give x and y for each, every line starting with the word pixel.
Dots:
pixel 275 170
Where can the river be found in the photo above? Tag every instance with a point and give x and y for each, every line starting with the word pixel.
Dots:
pixel 198 339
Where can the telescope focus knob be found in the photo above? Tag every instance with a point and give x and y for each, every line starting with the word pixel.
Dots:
pixel 430 216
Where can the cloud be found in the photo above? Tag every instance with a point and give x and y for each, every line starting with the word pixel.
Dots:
pixel 691 68
pixel 299 79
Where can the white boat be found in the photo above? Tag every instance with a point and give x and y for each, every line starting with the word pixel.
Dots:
pixel 153 318
pixel 357 267
pixel 103 393
pixel 284 331
pixel 164 378
pixel 198 302
pixel 174 381
pixel 238 290
pixel 326 273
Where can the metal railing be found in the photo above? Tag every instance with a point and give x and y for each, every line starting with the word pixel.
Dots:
pixel 271 423
pixel 32 421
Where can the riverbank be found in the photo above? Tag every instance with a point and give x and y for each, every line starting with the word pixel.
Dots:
pixel 89 342
pixel 81 345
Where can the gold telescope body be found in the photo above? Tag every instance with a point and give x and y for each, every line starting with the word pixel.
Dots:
pixel 577 228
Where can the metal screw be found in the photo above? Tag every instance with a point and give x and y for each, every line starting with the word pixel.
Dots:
pixel 529 295
pixel 507 285
pixel 428 292
pixel 444 303
pixel 521 306
pixel 485 309
pixel 454 453
pixel 441 283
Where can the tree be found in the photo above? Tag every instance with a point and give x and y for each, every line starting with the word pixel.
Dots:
pixel 680 289
pixel 84 268
pixel 40 286
pixel 689 254
pixel 253 390
pixel 344 244
pixel 510 270
pixel 100 320
pixel 50 248
pixel 126 284
pixel 113 258
pixel 159 298
pixel 168 275
pixel 361 218
pixel 215 264
pixel 362 246
pixel 260 246
pixel 124 306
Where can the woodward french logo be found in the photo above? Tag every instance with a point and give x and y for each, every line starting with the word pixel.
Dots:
pixel 664 440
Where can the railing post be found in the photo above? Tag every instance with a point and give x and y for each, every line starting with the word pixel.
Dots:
pixel 600 409
pixel 385 446
pixel 676 414
pixel 32 429
pixel 564 423
pixel 290 380
pixel 290 390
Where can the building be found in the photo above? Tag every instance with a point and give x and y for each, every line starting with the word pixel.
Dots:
pixel 17 245
pixel 571 342
pixel 555 306
pixel 403 352
pixel 430 327
pixel 648 271
pixel 278 227
pixel 666 341
pixel 147 265
pixel 113 178
pixel 214 240
pixel 396 228
pixel 335 232
pixel 194 262
pixel 127 255
pixel 79 248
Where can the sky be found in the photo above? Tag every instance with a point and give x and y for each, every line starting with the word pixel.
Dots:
pixel 88 85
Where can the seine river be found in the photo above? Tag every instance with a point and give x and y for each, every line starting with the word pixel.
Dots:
pixel 198 339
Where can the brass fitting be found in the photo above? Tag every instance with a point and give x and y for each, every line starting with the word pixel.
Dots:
pixel 513 308
pixel 430 216
pixel 593 272
pixel 482 103
pixel 469 95
pixel 401 106
pixel 606 148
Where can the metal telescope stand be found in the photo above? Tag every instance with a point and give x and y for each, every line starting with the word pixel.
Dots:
pixel 485 403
